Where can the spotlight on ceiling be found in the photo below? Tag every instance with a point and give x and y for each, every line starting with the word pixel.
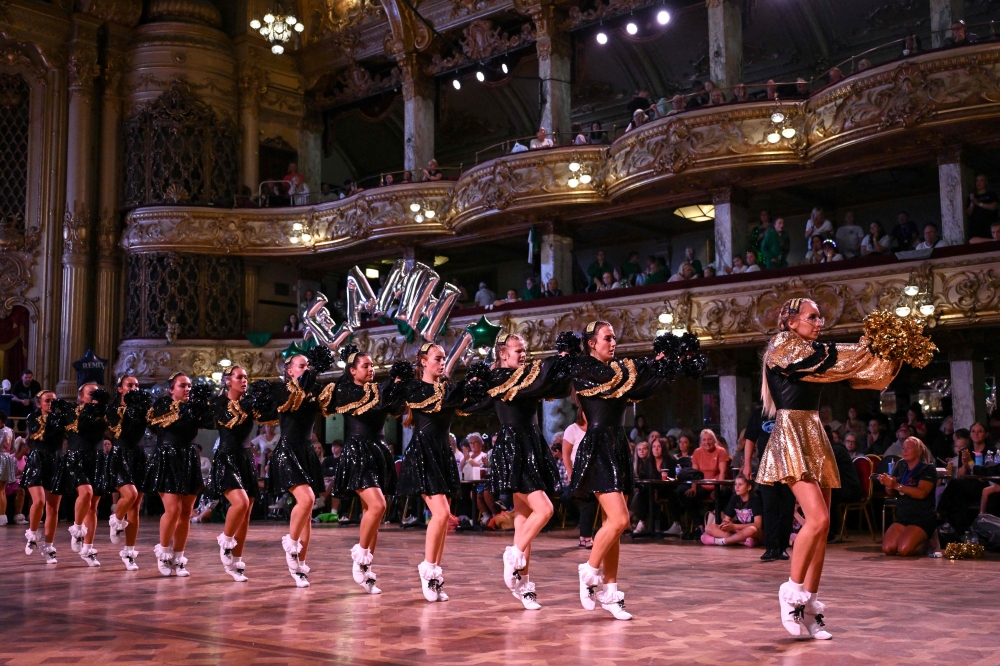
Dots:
pixel 480 77
pixel 631 28
pixel 457 84
pixel 663 17
pixel 602 38
pixel 503 66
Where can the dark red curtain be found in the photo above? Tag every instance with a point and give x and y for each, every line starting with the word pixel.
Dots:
pixel 14 344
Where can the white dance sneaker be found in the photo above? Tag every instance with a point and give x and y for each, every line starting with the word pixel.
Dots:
pixel 226 545
pixel 89 555
pixel 49 551
pixel 164 559
pixel 525 592
pixel 431 581
pixel 292 550
pixel 361 569
pixel 813 620
pixel 792 599
pixel 302 575
pixel 19 519
pixel 513 562
pixel 32 544
pixel 180 570
pixel 77 532
pixel 590 579
pixel 128 558
pixel 117 529
pixel 613 601
pixel 236 571
pixel 3 519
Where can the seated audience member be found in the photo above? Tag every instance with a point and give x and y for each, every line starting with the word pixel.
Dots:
pixel 531 290
pixel 485 296
pixel 911 46
pixel 642 468
pixel 678 103
pixel 994 235
pixel 407 177
pixel 814 255
pixel 709 271
pixel 552 289
pixel 912 483
pixel 638 120
pixel 511 298
pixel 739 266
pixel 640 432
pixel 331 463
pixel 607 282
pixel 830 252
pixel 849 237
pixel 982 212
pixel 835 76
pixel 864 64
pixel 855 425
pixel 915 417
pixel 685 449
pixel 631 268
pixel 712 460
pixel 877 241
pixel 776 245
pixel 597 136
pixel 579 138
pixel 293 324
pixel 432 172
pixel 684 272
pixel 878 438
pixel 541 140
pixel 690 258
pixel 903 432
pixel 741 520
pixel 959 36
pixel 904 234
pixel 751 261
pixel 639 102
pixel 740 93
pixel 618 282
pixel 716 98
pixel 850 487
pixel 596 271
pixel 389 180
pixel 818 225
pixel 971 448
pixel 698 96
pixel 658 272
pixel 931 239
pixel 851 444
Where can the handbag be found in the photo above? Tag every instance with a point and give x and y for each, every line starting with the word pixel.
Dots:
pixel 690 474
pixel 988 528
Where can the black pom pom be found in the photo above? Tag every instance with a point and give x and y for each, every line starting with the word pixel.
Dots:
pixel 568 342
pixel 680 355
pixel 563 365
pixel 201 393
pixel 320 358
pixel 101 397
pixel 346 352
pixel 261 396
pixel 475 391
pixel 402 370
pixel 478 370
pixel 139 399
pixel 61 408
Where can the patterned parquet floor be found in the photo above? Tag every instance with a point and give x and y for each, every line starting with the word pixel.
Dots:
pixel 693 605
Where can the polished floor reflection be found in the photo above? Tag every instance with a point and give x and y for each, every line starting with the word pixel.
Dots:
pixel 692 604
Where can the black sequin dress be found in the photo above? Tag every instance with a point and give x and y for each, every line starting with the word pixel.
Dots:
pixel 294 461
pixel 603 458
pixel 175 466
pixel 126 464
pixel 429 466
pixel 233 467
pixel 45 437
pixel 521 462
pixel 367 461
pixel 83 464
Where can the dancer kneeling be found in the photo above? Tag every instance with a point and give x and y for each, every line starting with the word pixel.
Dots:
pixel 605 386
pixel 798 452
pixel 429 467
pixel 367 466
pixel 126 464
pixel 522 465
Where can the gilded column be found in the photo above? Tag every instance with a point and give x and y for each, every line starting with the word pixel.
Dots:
pixel 81 69
pixel 108 224
pixel 253 84
pixel 251 278
pixel 554 69
pixel 725 43
pixel 418 114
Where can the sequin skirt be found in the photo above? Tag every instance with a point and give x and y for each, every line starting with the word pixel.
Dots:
pixel 75 469
pixel 233 470
pixel 38 469
pixel 295 464
pixel 603 463
pixel 798 451
pixel 428 468
pixel 126 465
pixel 174 469
pixel 8 468
pixel 521 463
pixel 365 463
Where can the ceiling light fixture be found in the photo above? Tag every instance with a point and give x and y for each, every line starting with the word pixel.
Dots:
pixel 631 28
pixel 480 77
pixel 663 17
pixel 371 273
pixel 277 28
pixel 503 66
pixel 457 84
pixel 697 213
pixel 602 38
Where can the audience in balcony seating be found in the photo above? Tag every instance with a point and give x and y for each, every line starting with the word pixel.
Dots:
pixel 751 262
pixel 742 519
pixel 579 138
pixel 657 271
pixel 818 225
pixel 638 119
pixel 541 140
pixel 485 296
pixel 708 272
pixel 911 46
pixel 739 266
pixel 690 258
pixel 757 234
pixel 830 252
pixel 698 96
pixel 511 298
pixel 552 289
pixel 849 236
pixel 864 64
pixel 631 268
pixel 640 101
pixel 596 271
pixel 814 255
pixel 835 76
pixel 959 36
pixel 389 180
pixel 407 177
pixel 776 244
pixel 877 241
pixel 293 324
pixel 982 211
pixel 905 234
pixel 597 136
pixel 684 272
pixel 531 290
pixel 716 98
pixel 931 239
pixel 432 172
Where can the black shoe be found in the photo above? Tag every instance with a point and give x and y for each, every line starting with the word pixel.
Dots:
pixel 770 555
pixel 783 556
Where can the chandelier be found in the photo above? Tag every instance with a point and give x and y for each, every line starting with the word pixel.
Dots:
pixel 277 28
pixel 916 300
pixel 779 125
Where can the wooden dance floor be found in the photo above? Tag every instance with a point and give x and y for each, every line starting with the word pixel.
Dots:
pixel 692 604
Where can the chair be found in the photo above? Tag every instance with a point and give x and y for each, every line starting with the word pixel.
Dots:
pixel 863 466
pixel 889 503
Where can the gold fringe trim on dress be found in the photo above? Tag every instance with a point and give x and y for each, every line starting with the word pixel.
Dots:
pixel 536 369
pixel 116 430
pixel 167 418
pixel 369 400
pixel 239 416
pixel 296 396
pixel 434 400
pixel 509 384
pixel 326 397
pixel 72 427
pixel 629 382
pixel 616 366
pixel 39 434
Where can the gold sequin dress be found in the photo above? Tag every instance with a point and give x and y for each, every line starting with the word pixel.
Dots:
pixel 794 369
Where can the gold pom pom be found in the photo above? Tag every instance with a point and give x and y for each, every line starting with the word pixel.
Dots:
pixel 894 338
pixel 964 551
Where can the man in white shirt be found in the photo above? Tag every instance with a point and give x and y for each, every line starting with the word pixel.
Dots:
pixel 931 239
pixel 849 237
pixel 541 140
pixel 485 297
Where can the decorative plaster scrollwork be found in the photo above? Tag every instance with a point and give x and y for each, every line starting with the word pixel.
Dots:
pixel 124 12
pixel 82 67
pixel 15 281
pixel 75 225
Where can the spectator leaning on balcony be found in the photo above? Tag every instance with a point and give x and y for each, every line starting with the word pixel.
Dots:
pixel 739 266
pixel 531 290
pixel 905 232
pixel 849 237
pixel 597 270
pixel 579 138
pixel 597 136
pixel 877 241
pixel 432 172
pixel 485 296
pixel 658 272
pixel 830 252
pixel 751 261
pixel 541 140
pixel 698 96
pixel 776 245
pixel 931 239
pixel 960 36
pixel 638 120
pixel 552 289
pixel 511 298
pixel 684 272
pixel 982 211
pixel 818 225
pixel 814 255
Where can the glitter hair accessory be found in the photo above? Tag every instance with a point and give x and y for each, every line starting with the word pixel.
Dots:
pixel 591 326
